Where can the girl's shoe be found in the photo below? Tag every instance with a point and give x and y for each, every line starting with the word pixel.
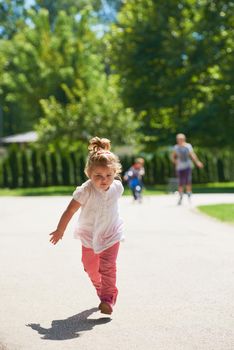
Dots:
pixel 105 308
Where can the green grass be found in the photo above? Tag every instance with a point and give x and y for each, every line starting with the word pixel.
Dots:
pixel 40 191
pixel 214 187
pixel 149 190
pixel 223 212
pixel 67 190
pixel 225 187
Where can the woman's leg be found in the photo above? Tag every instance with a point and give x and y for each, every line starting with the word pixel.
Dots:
pixel 107 269
pixel 189 183
pixel 180 185
pixel 90 261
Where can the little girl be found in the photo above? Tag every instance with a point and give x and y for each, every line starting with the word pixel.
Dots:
pixel 99 228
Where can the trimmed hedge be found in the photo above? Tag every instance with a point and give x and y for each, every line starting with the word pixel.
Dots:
pixel 32 167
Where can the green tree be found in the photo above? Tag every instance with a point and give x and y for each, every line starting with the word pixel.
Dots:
pixel 70 7
pixel 94 108
pixel 55 78
pixel 12 16
pixel 213 123
pixel 174 58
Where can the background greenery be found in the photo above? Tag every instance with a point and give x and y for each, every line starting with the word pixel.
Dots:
pixel 221 187
pixel 36 167
pixel 175 60
pixel 138 71
pixel 135 71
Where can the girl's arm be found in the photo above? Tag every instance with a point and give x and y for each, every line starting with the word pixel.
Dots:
pixel 73 206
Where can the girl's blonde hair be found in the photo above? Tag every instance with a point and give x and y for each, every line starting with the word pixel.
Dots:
pixel 100 155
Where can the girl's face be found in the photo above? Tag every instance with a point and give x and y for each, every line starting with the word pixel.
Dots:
pixel 102 177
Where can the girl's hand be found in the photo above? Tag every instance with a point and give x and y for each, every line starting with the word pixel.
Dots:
pixel 56 236
pixel 73 206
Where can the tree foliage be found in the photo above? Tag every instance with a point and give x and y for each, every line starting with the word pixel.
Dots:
pixel 55 78
pixel 12 16
pixel 95 109
pixel 70 7
pixel 175 61
pixel 161 67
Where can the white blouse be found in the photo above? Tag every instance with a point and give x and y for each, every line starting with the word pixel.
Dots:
pixel 99 224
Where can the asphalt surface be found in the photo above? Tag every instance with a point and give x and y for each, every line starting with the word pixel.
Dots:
pixel 175 279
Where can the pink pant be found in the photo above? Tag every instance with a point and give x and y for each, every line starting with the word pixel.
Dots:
pixel 101 269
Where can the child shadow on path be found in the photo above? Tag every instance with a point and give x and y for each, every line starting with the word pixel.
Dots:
pixel 70 327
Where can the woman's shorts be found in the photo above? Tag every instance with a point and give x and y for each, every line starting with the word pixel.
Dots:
pixel 184 176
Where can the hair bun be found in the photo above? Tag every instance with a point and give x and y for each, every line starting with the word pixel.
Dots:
pixel 96 144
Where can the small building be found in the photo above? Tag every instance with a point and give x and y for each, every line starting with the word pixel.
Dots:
pixel 21 140
pixel 26 137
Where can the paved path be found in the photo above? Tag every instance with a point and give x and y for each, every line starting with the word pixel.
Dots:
pixel 175 276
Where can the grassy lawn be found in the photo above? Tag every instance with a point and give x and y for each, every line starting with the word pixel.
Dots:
pixel 224 212
pixel 225 187
pixel 214 187
pixel 67 190
pixel 39 191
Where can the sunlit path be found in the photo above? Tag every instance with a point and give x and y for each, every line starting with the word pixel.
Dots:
pixel 175 279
